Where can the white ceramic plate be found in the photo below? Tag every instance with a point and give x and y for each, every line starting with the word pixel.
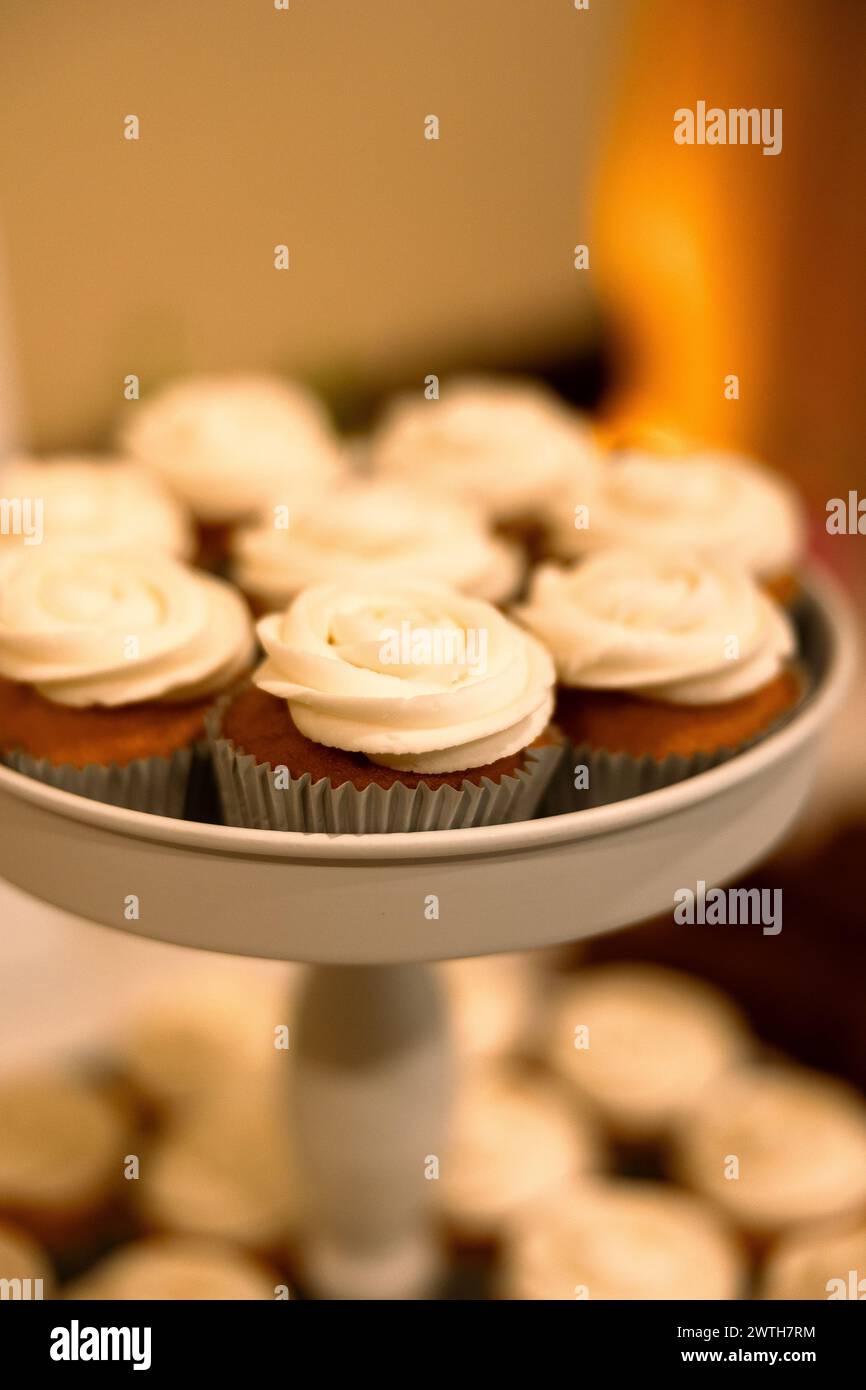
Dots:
pixel 366 899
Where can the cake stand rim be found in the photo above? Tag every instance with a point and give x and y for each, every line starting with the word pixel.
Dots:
pixel 482 841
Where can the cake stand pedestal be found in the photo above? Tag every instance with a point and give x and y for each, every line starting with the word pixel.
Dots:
pixel 370 1080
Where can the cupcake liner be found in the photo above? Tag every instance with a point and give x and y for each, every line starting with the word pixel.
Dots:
pixel 249 797
pixel 158 785
pixel 620 776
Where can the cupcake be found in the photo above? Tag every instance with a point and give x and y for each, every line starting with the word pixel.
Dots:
pixel 495 1003
pixel 612 1239
pixel 388 707
pixel 176 1269
pixel 230 446
pixel 225 1167
pixel 62 1149
pixel 514 1139
pixel 188 1042
pixel 825 1262
pixel 667 665
pixel 25 1268
pixel 776 1146
pixel 94 504
pixel 370 529
pixel 508 446
pixel 725 509
pixel 639 1044
pixel 108 663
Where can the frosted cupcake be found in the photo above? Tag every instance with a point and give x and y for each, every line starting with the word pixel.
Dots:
pixel 62 1148
pixel 777 1146
pixel 620 1240
pixel 508 446
pixel 666 664
pixel 726 509
pixel 229 446
pixel 639 1044
pixel 495 1004
pixel 377 530
pixel 826 1262
pixel 176 1269
pixel 225 1168
pixel 190 1041
pixel 94 504
pixel 386 708
pixel 108 663
pixel 515 1138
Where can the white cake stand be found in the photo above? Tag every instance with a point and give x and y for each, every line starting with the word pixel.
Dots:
pixel 370 1080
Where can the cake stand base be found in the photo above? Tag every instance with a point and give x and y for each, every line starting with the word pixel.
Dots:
pixel 370 1089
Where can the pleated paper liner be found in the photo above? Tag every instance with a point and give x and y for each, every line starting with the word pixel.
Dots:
pixel 162 786
pixel 251 798
pixel 620 776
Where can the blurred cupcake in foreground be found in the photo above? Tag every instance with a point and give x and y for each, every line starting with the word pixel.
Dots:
pixel 374 530
pixel 666 664
pixel 495 1004
pixel 94 504
pixel 514 1138
pixel 188 1041
pixel 175 1269
pixel 224 1168
pixel 108 663
pixel 230 446
pixel 508 446
pixel 723 508
pixel 639 1043
pixel 612 1239
pixel 62 1150
pixel 25 1267
pixel 776 1146
pixel 388 707
pixel 826 1262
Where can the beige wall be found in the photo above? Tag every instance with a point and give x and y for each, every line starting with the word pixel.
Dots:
pixel 304 127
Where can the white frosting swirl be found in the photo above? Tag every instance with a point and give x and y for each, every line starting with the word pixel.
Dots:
pixel 96 504
pixel 654 1039
pixel 508 447
pixel 799 1136
pixel 230 445
pixel 666 627
pixel 515 1137
pixel 415 676
pixel 110 629
pixel 727 509
pixel 615 1239
pixel 375 530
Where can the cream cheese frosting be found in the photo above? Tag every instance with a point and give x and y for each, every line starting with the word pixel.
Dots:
pixel 173 1268
pixel 229 446
pixel 114 629
pixel 640 1043
pixel 614 1239
pixel 671 628
pixel 61 1143
pixel 380 530
pixel 507 446
pixel 95 503
pixel 727 509
pixel 415 676
pixel 514 1138
pixel 798 1137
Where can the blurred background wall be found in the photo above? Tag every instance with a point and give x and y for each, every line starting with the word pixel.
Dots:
pixel 302 127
